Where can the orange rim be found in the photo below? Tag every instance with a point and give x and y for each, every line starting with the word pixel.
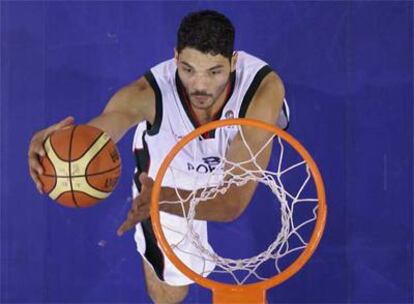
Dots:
pixel 295 266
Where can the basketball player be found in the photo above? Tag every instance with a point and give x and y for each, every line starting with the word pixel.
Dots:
pixel 205 81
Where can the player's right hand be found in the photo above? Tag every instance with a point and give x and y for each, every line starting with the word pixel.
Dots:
pixel 36 149
pixel 140 209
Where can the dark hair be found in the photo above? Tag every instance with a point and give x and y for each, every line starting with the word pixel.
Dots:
pixel 208 32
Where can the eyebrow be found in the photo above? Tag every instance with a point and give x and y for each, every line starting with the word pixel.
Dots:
pixel 210 69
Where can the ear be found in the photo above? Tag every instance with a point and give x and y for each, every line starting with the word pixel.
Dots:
pixel 175 55
pixel 234 61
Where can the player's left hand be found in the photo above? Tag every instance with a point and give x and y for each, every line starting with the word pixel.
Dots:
pixel 140 209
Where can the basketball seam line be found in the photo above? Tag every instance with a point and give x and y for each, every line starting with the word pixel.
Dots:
pixel 83 192
pixel 97 153
pixel 52 165
pixel 89 145
pixel 70 166
pixel 85 175
pixel 57 155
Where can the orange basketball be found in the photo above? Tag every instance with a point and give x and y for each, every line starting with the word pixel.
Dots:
pixel 81 167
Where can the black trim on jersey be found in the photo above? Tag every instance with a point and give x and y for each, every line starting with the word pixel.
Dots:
pixel 152 252
pixel 142 161
pixel 252 89
pixel 187 106
pixel 286 115
pixel 155 127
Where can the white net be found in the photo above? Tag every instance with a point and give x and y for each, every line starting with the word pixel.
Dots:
pixel 210 173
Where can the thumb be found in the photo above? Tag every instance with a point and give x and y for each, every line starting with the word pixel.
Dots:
pixel 68 121
pixel 146 180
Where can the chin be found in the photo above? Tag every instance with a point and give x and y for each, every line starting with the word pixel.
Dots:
pixel 202 105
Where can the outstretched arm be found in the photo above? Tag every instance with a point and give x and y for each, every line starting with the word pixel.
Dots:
pixel 129 106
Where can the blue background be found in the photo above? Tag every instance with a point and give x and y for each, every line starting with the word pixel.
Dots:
pixel 348 72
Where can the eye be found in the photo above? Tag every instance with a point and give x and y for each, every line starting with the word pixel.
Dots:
pixel 187 70
pixel 216 72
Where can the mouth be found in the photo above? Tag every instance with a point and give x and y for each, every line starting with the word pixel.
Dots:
pixel 201 98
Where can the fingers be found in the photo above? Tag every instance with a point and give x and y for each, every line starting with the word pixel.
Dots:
pixel 36 149
pixel 39 150
pixel 68 121
pixel 40 137
pixel 64 123
pixel 35 169
pixel 36 144
pixel 34 162
pixel 127 224
pixel 36 180
pixel 134 217
pixel 146 186
pixel 140 206
pixel 139 212
pixel 146 180
pixel 123 228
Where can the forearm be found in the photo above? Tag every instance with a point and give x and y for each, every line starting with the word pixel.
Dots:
pixel 222 208
pixel 115 124
pixel 227 206
pixel 130 105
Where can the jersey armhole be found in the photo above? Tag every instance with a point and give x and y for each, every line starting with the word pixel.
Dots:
pixel 260 75
pixel 155 127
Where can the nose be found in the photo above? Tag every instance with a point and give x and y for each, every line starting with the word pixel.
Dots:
pixel 200 83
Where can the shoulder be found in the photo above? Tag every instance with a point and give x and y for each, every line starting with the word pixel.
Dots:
pixel 138 90
pixel 160 78
pixel 268 99
pixel 247 60
pixel 144 95
pixel 271 84
pixel 162 72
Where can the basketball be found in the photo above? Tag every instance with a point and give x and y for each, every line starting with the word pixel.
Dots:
pixel 81 166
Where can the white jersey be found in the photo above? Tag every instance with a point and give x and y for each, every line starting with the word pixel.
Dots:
pixel 174 119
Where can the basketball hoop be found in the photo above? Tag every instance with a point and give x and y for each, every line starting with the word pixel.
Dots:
pixel 253 292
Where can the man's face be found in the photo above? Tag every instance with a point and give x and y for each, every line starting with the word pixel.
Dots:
pixel 204 76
